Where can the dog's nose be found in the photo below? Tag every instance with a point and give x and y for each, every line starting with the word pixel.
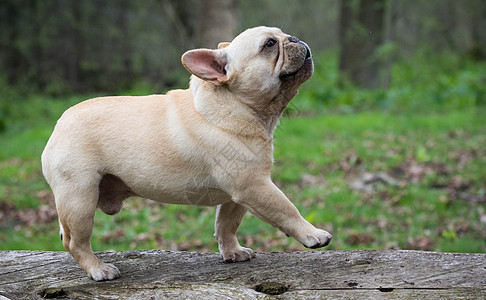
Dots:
pixel 293 39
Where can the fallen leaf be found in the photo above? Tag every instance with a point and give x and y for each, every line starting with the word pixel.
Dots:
pixel 308 180
pixel 360 239
pixel 420 243
pixel 43 215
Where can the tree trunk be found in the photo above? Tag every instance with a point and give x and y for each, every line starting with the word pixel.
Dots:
pixel 361 33
pixel 12 57
pixel 218 22
pixel 77 47
pixel 469 32
pixel 291 275
pixel 182 14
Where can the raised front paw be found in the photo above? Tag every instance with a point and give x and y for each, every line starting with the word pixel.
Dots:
pixel 104 272
pixel 319 238
pixel 237 254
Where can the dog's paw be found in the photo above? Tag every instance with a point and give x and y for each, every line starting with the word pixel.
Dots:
pixel 105 272
pixel 238 254
pixel 320 238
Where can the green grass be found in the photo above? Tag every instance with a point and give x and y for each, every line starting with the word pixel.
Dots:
pixel 427 132
pixel 316 160
pixel 336 150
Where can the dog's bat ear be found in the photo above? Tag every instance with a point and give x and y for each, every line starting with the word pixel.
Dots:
pixel 206 64
pixel 223 45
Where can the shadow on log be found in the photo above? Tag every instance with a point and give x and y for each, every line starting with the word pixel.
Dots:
pixel 292 275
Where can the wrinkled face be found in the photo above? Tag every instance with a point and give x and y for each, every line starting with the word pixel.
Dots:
pixel 263 66
pixel 267 62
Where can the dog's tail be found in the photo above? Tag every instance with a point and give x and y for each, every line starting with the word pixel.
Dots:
pixel 61 230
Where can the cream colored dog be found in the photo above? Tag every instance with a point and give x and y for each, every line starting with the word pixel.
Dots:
pixel 208 145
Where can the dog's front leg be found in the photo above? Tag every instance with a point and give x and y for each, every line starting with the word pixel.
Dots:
pixel 263 199
pixel 228 218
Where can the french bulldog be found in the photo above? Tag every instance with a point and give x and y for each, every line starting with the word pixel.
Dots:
pixel 210 145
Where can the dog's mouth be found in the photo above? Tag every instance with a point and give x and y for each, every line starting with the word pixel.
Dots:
pixel 307 62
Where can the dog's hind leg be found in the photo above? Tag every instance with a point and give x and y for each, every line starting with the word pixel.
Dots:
pixel 228 218
pixel 76 207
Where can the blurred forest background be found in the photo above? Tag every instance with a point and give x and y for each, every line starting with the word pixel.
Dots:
pixel 59 47
pixel 385 146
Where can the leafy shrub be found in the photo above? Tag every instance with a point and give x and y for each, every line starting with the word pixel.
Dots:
pixel 427 81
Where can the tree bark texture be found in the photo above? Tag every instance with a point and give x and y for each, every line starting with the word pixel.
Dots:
pixel 293 275
pixel 218 22
pixel 361 33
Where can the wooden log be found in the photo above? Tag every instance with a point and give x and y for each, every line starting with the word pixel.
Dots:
pixel 156 274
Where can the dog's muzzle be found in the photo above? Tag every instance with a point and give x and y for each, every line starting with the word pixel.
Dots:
pixel 306 62
pixel 294 39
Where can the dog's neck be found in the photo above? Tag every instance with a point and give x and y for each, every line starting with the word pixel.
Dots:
pixel 222 108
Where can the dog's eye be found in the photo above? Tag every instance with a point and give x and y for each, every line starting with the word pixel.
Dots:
pixel 270 43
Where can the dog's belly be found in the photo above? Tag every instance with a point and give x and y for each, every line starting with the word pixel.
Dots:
pixel 173 190
pixel 202 196
pixel 206 196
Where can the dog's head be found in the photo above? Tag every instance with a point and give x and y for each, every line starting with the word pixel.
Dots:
pixel 262 65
